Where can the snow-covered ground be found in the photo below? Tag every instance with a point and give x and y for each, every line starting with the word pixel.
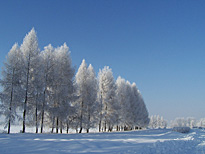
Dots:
pixel 140 142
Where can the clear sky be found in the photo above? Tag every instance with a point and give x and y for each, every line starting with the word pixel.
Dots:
pixel 159 44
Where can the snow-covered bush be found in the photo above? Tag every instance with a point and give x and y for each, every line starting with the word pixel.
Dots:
pixel 181 129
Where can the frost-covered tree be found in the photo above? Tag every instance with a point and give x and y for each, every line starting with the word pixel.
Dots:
pixel 82 90
pixel 91 109
pixel 37 93
pixel 121 99
pixel 47 66
pixel 133 112
pixel 131 106
pixel 62 89
pixel 184 122
pixel 126 103
pixel 86 83
pixel 30 51
pixel 141 116
pixel 191 122
pixel 179 122
pixel 201 123
pixel 157 121
pixel 41 85
pixel 153 122
pixel 11 88
pixel 163 123
pixel 107 99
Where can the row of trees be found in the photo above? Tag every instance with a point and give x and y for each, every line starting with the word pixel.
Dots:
pixel 157 121
pixel 188 122
pixel 40 87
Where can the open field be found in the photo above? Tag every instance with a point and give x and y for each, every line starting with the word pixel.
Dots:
pixel 145 141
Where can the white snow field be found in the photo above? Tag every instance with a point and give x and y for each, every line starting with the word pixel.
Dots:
pixel 162 141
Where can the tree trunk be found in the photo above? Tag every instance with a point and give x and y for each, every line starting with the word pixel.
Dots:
pixel 67 127
pixel 57 125
pixel 26 96
pixel 61 127
pixel 81 118
pixel 110 129
pixel 52 129
pixel 44 100
pixel 24 116
pixel 100 125
pixel 36 119
pixel 88 125
pixel 42 118
pixel 105 118
pixel 53 125
pixel 80 130
pixel 24 112
pixel 36 113
pixel 105 126
pixel 9 125
pixel 11 100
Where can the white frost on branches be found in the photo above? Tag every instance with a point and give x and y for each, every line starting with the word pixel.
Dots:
pixel 42 87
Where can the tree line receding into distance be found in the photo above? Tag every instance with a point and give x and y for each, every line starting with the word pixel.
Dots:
pixel 41 88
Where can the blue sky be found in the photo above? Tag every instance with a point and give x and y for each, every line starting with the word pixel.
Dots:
pixel 157 44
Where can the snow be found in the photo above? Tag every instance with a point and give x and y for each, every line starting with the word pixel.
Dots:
pixel 141 142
